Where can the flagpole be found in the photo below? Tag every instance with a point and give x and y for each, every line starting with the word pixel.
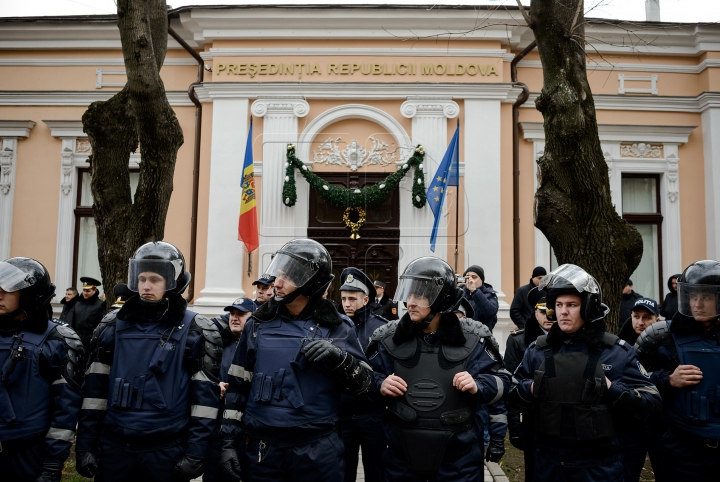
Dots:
pixel 457 202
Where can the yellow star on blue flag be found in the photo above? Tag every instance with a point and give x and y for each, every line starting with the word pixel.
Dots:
pixel 446 175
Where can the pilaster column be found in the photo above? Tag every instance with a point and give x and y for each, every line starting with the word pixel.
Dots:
pixel 429 127
pixel 10 131
pixel 711 150
pixel 279 223
pixel 224 263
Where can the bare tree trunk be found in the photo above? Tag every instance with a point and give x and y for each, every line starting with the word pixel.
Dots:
pixel 573 207
pixel 138 113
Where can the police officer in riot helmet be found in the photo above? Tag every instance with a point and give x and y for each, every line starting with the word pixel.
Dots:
pixel 360 421
pixel 151 393
pixel 683 355
pixel 41 374
pixel 430 354
pixel 577 381
pixel 295 357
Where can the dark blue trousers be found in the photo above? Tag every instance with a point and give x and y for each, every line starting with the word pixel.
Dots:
pixel 690 458
pixel 125 463
pixel 548 468
pixel 462 461
pixel 364 431
pixel 24 464
pixel 211 464
pixel 635 446
pixel 319 461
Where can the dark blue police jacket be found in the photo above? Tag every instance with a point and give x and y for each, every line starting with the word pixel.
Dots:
pixel 39 396
pixel 148 379
pixel 272 385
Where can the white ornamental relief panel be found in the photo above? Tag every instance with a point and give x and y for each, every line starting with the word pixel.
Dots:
pixel 355 156
pixel 642 150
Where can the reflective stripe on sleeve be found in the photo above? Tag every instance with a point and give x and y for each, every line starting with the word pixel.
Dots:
pixel 498 418
pixel 201 376
pixel 202 411
pixel 500 390
pixel 61 434
pixel 59 380
pixel 232 414
pixel 240 372
pixel 94 404
pixel 99 368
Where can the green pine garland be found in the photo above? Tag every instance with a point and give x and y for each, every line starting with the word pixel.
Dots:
pixel 345 197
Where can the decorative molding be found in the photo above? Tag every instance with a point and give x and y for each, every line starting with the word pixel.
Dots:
pixel 355 155
pixel 347 52
pixel 622 133
pixel 636 67
pixel 7 157
pixel 83 62
pixel 8 161
pixel 66 128
pixel 350 111
pixel 99 84
pixel 208 92
pixel 280 105
pixel 641 150
pixel 16 128
pixel 652 90
pixel 76 98
pixel 83 145
pixel 646 103
pixel 429 106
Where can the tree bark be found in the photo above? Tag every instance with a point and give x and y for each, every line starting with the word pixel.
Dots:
pixel 139 113
pixel 573 207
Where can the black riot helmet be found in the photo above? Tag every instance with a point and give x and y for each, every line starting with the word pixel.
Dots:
pixel 305 264
pixel 429 282
pixel 571 279
pixel 161 258
pixel 32 280
pixel 699 290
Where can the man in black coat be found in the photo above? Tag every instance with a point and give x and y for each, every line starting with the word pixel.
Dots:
pixel 381 305
pixel 69 300
pixel 481 296
pixel 87 313
pixel 669 306
pixel 629 297
pixel 520 310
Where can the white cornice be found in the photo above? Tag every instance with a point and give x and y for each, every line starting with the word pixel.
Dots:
pixel 16 128
pixel 65 128
pixel 67 62
pixel 368 52
pixel 648 103
pixel 356 90
pixel 534 131
pixel 78 98
pixel 636 67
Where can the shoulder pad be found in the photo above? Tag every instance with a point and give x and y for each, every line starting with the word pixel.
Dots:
pixel 517 332
pixel 475 327
pixel 212 348
pixel 73 364
pixel 654 335
pixel 541 342
pixel 611 340
pixel 384 320
pixel 384 331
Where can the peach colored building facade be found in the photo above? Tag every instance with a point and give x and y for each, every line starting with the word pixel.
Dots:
pixel 393 77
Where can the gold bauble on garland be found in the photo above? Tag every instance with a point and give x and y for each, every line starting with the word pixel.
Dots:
pixel 354 226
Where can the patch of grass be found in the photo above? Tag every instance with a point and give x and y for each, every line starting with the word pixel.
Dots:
pixel 69 473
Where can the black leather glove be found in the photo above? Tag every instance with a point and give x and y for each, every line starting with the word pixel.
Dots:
pixel 322 351
pixel 515 430
pixel 86 464
pixel 188 468
pixel 230 461
pixel 50 473
pixel 495 450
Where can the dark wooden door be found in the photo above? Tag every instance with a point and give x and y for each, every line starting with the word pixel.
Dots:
pixel 377 250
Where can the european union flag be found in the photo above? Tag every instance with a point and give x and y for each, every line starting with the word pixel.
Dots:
pixel 446 175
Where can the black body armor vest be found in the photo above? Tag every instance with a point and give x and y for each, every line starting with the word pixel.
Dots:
pixel 569 388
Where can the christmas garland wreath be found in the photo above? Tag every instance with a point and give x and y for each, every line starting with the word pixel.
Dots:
pixel 347 197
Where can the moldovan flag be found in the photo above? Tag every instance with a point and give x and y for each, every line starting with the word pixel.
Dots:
pixel 247 224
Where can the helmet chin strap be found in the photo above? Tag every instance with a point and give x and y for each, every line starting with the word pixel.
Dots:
pixel 422 325
pixel 289 298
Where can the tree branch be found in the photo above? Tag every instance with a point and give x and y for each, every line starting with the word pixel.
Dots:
pixel 524 13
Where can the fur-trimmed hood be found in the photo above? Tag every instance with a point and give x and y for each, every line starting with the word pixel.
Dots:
pixel 590 333
pixel 134 311
pixel 36 322
pixel 320 310
pixel 687 325
pixel 449 331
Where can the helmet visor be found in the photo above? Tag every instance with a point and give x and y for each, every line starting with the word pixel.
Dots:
pixel 291 269
pixel 702 302
pixel 418 292
pixel 142 270
pixel 13 278
pixel 569 274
